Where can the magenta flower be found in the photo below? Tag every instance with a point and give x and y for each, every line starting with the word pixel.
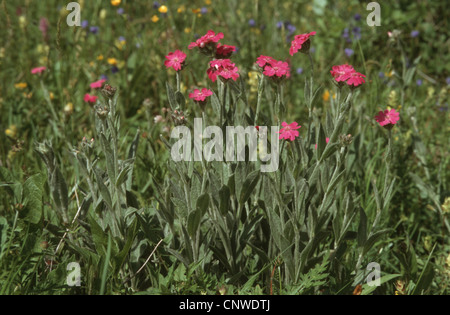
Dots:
pixel 97 84
pixel 38 70
pixel 91 99
pixel 301 42
pixel 387 118
pixel 262 61
pixel 277 68
pixel 223 68
pixel 210 39
pixel 224 51
pixel 200 96
pixel 346 73
pixel 175 60
pixel 289 132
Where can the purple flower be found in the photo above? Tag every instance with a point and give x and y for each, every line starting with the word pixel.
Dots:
pixel 299 70
pixel 356 33
pixel 349 52
pixel 291 28
pixel 104 77
pixel 346 35
pixel 120 11
pixel 85 24
pixel 381 74
pixel 419 82
pixel 447 80
pixel 114 69
pixel 415 33
pixel 93 29
pixel 357 17
pixel 280 24
pixel 251 22
pixel 204 10
pixel 156 5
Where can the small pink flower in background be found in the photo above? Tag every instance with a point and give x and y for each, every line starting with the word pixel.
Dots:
pixel 301 42
pixel 97 84
pixel 91 99
pixel 200 95
pixel 326 139
pixel 277 68
pixel 224 51
pixel 387 118
pixel 223 68
pixel 261 61
pixel 175 60
pixel 210 38
pixel 346 73
pixel 38 70
pixel 289 132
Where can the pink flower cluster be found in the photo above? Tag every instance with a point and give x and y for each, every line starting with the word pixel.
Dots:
pixel 38 70
pixel 289 131
pixel 222 68
pixel 200 96
pixel 387 118
pixel 347 74
pixel 273 68
pixel 175 60
pixel 301 43
pixel 209 39
pixel 92 99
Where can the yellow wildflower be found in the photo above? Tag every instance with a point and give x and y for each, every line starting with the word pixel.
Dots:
pixel 20 85
pixel 102 14
pixel 162 9
pixel 100 57
pixel 112 61
pixel 68 109
pixel 208 2
pixel 326 95
pixel 155 19
pixel 115 2
pixel 187 30
pixel 181 9
pixel 11 131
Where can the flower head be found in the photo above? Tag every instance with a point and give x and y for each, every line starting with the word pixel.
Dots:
pixel 301 43
pixel 387 118
pixel 224 51
pixel 207 43
pixel 97 84
pixel 175 60
pixel 200 95
pixel 91 99
pixel 38 70
pixel 289 131
pixel 222 68
pixel 264 60
pixel 277 68
pixel 346 73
